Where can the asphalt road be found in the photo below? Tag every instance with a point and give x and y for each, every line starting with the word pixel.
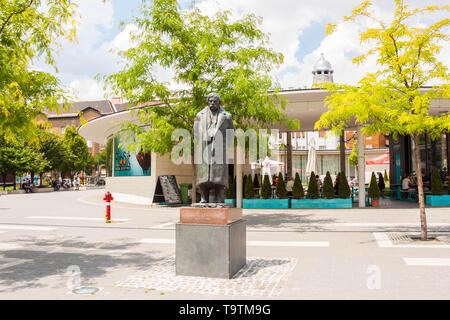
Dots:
pixel 53 245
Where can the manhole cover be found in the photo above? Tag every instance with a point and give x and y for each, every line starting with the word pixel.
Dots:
pixel 85 290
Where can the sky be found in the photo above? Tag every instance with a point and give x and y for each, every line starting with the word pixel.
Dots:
pixel 296 27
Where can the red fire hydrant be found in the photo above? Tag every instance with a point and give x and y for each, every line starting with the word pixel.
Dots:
pixel 108 197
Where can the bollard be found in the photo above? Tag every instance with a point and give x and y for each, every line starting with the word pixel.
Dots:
pixel 108 197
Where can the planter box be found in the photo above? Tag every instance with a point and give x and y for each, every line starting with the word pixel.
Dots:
pixel 265 203
pixel 321 203
pixel 437 200
pixel 231 201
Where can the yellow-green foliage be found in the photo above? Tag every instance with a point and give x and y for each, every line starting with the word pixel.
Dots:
pixel 28 31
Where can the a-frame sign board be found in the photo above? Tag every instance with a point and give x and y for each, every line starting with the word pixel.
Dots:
pixel 167 191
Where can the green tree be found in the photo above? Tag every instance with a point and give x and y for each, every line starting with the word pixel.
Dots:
pixel 11 159
pixel 54 150
pixel 79 157
pixel 328 190
pixel 106 157
pixel 29 32
pixel 392 100
pixel 343 188
pixel 436 182
pixel 386 177
pixel 374 191
pixel 266 190
pixel 297 188
pixel 17 158
pixel 249 192
pixel 280 189
pixel 313 188
pixel 206 54
pixel 35 161
pixel 353 157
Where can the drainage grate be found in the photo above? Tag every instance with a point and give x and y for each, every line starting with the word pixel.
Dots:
pixel 399 238
pixel 404 238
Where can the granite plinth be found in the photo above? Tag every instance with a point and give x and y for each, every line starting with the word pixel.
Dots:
pixel 210 250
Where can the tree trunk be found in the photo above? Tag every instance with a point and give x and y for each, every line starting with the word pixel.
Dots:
pixel 4 182
pixel 32 177
pixel 342 151
pixel 361 169
pixel 194 184
pixel 15 182
pixel 423 217
pixel 40 178
pixel 288 155
pixel 238 185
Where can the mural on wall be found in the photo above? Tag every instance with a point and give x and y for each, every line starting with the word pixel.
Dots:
pixel 128 164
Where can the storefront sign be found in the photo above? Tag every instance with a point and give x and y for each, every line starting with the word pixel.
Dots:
pixel 127 163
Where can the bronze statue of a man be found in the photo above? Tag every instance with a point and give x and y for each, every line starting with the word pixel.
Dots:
pixel 210 127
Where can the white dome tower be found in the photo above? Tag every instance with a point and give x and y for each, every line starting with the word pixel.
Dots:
pixel 322 71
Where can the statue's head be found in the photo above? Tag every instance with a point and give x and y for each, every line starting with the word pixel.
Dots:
pixel 213 101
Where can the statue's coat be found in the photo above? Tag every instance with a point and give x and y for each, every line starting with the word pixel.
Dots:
pixel 213 167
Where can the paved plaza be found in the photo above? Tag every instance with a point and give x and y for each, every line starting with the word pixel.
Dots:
pixel 57 246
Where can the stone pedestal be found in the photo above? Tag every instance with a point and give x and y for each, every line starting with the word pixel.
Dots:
pixel 210 242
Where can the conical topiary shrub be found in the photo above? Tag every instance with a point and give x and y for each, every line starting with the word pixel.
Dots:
pixel 381 184
pixel 297 188
pixel 313 188
pixel 230 192
pixel 256 181
pixel 448 185
pixel 386 177
pixel 244 181
pixel 436 183
pixel 280 190
pixel 266 190
pixel 249 192
pixel 328 190
pixel 344 188
pixel 374 191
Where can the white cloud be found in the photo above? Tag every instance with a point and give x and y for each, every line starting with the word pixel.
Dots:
pixel 86 88
pixel 285 20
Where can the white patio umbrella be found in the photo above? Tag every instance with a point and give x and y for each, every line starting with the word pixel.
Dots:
pixel 266 166
pixel 311 164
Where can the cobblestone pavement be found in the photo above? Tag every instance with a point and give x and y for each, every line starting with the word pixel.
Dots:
pixel 261 277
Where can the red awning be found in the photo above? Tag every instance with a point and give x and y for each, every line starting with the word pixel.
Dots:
pixel 383 159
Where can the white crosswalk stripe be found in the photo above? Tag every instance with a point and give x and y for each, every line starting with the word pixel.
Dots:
pixel 23 227
pixel 442 262
pixel 75 218
pixel 253 243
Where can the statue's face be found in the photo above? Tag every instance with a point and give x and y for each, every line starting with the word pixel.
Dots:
pixel 213 103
